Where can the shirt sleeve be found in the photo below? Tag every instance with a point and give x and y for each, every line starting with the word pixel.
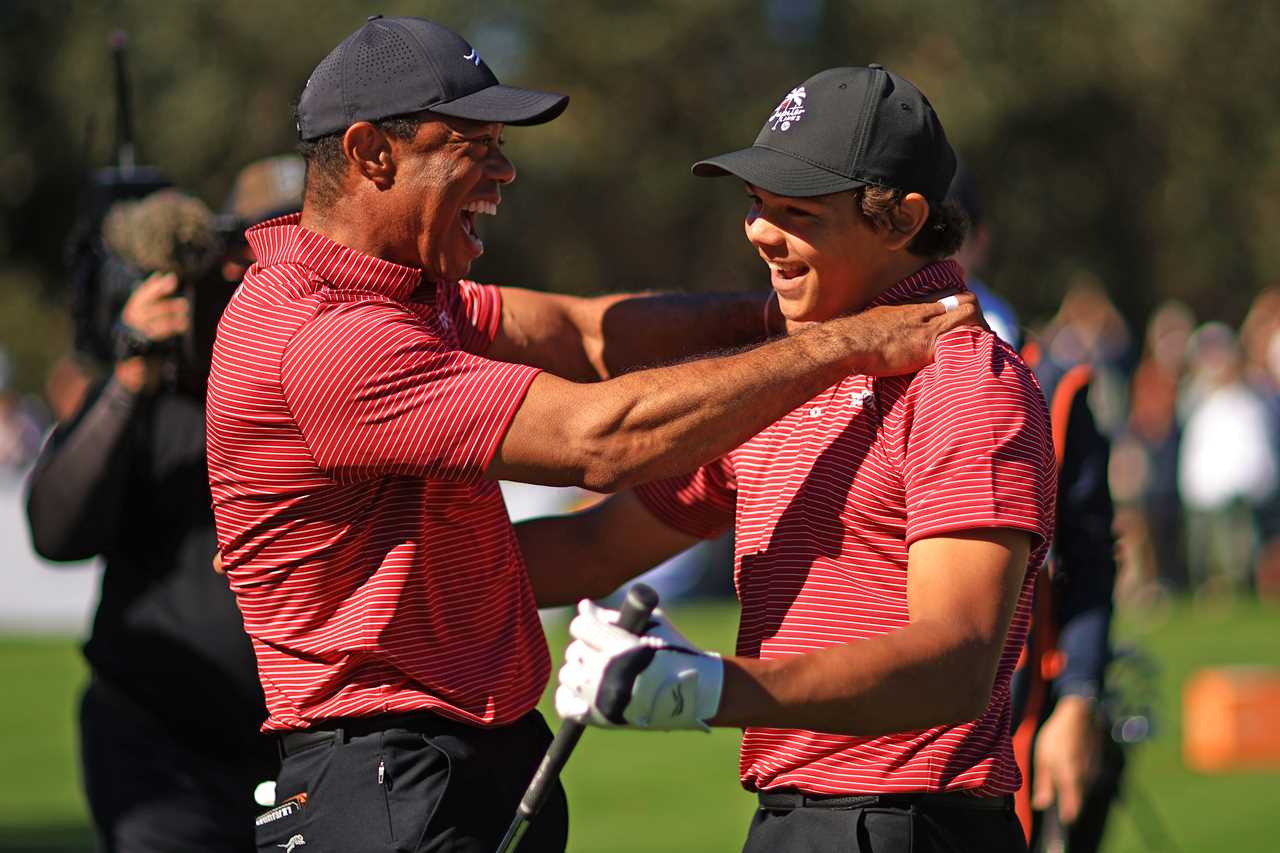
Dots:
pixel 700 503
pixel 374 392
pixel 975 443
pixel 476 312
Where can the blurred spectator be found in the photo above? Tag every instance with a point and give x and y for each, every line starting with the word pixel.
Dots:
pixel 170 742
pixel 20 431
pixel 1260 340
pixel 1000 315
pixel 21 426
pixel 1260 337
pixel 1144 469
pixel 1088 329
pixel 263 190
pixel 1228 466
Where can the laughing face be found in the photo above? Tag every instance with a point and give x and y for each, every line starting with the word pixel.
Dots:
pixel 446 177
pixel 824 259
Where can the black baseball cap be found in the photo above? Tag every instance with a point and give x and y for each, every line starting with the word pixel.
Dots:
pixel 394 66
pixel 844 128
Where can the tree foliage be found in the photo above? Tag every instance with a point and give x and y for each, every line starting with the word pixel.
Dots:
pixel 1136 140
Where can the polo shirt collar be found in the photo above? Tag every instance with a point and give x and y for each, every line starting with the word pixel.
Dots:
pixel 284 241
pixel 939 275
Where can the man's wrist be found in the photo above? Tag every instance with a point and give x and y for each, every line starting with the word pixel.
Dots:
pixel 128 342
pixel 852 347
pixel 1082 711
pixel 132 374
pixel 1078 688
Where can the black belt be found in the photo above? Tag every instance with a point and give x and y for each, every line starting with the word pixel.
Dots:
pixel 785 801
pixel 342 729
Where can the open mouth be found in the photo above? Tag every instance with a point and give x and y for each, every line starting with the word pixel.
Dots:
pixel 786 272
pixel 783 276
pixel 467 216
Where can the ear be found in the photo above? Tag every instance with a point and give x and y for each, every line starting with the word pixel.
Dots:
pixel 909 217
pixel 368 150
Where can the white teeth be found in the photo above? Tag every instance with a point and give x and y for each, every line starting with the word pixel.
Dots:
pixel 488 208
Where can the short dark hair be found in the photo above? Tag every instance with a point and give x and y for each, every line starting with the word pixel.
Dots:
pixel 326 165
pixel 943 231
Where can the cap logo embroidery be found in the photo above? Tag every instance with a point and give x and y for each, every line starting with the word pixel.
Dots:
pixel 790 111
pixel 473 56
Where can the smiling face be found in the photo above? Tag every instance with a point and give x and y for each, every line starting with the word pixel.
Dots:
pixel 825 259
pixel 448 174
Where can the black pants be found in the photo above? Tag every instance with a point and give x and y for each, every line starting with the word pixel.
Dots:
pixel 150 791
pixel 422 784
pixel 889 824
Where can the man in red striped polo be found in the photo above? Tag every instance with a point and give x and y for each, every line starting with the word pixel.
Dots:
pixel 364 400
pixel 887 530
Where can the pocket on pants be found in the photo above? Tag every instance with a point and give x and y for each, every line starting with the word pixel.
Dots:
pixel 341 802
pixel 890 830
pixel 415 779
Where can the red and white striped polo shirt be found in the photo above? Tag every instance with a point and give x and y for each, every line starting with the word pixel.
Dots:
pixel 826 502
pixel 351 417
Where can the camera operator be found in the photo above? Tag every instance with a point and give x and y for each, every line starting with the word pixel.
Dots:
pixel 169 723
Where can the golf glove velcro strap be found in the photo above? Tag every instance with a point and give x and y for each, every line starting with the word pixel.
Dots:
pixel 613 678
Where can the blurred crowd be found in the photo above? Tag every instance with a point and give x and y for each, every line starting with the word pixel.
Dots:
pixel 23 421
pixel 1193 414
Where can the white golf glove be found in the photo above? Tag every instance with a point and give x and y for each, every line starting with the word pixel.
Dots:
pixel 614 678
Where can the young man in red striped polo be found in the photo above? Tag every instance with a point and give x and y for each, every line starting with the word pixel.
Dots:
pixel 364 401
pixel 887 530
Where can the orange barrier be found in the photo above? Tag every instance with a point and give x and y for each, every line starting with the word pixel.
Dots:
pixel 1231 719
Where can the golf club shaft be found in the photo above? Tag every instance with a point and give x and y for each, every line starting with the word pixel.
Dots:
pixel 634 617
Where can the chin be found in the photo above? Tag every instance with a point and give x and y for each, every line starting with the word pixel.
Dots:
pixel 802 313
pixel 450 271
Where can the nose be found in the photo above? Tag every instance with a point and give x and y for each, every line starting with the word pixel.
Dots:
pixel 501 169
pixel 760 231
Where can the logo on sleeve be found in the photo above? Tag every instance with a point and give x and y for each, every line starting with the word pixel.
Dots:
pixel 790 111
pixel 473 57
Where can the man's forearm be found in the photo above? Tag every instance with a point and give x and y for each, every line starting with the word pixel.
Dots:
pixel 72 499
pixel 622 333
pixel 658 423
pixel 1085 643
pixel 904 681
pixel 591 553
pixel 586 339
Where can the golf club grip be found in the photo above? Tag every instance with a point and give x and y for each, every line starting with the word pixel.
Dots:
pixel 634 615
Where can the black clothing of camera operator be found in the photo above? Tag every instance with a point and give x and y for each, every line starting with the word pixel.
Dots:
pixel 170 745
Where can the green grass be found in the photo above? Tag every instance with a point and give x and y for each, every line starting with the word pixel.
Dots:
pixel 625 787
pixel 1235 811
pixel 41 807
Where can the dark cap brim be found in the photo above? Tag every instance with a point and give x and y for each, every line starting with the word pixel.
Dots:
pixel 506 105
pixel 778 173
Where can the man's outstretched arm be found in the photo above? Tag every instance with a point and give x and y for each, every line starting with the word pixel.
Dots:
pixel 591 338
pixel 656 423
